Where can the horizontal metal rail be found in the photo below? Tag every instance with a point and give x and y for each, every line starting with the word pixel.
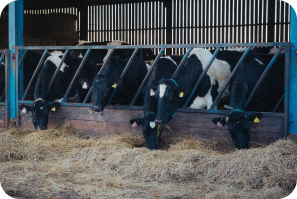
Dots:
pixel 231 45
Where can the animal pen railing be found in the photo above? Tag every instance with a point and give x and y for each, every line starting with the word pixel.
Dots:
pixel 4 103
pixel 187 121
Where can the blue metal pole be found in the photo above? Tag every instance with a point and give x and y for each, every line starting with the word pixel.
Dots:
pixel 293 74
pixel 15 23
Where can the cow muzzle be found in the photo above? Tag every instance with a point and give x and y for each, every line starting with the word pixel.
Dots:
pixel 96 108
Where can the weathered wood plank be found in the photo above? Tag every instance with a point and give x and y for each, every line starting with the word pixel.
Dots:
pixel 183 124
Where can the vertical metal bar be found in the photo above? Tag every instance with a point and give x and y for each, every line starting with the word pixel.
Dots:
pixel 35 73
pixel 7 101
pixel 16 15
pixel 183 60
pixel 231 76
pixel 76 74
pixel 57 70
pixel 147 76
pixel 202 75
pixel 124 71
pixel 103 66
pixel 263 75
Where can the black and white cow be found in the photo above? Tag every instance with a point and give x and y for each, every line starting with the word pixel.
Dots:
pixel 164 69
pixel 265 99
pixel 173 93
pixel 109 79
pixel 41 106
pixel 98 56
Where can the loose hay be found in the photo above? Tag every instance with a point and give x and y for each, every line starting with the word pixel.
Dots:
pixel 57 163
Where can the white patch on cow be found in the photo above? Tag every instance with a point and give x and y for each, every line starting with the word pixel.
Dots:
pixel 24 110
pixel 82 42
pixel 168 57
pixel 259 61
pixel 80 55
pixel 3 63
pixel 162 90
pixel 58 100
pixel 55 59
pixel 219 71
pixel 153 124
pixel 148 67
pixel 237 49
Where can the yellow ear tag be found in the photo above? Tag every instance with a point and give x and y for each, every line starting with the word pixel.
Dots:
pixel 181 94
pixel 53 109
pixel 114 85
pixel 256 120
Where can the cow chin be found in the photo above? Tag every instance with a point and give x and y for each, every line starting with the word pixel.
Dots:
pixel 41 123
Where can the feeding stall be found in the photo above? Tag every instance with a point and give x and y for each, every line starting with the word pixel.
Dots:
pixel 168 27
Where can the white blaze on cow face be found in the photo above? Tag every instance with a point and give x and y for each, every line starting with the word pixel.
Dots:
pixel 153 124
pixel 148 67
pixel 55 59
pixel 58 100
pixel 162 90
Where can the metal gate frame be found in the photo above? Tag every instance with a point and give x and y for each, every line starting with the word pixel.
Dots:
pixel 21 97
pixel 5 56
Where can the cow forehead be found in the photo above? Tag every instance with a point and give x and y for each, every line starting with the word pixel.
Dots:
pixel 162 90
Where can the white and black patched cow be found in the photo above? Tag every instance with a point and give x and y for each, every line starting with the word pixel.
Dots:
pixel 265 99
pixel 41 106
pixel 98 56
pixel 173 93
pixel 126 87
pixel 163 69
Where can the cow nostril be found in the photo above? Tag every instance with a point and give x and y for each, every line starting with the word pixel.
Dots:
pixel 96 108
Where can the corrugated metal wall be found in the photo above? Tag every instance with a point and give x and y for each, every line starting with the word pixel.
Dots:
pixel 193 21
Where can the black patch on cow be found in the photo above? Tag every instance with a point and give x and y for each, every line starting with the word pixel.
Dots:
pixel 214 90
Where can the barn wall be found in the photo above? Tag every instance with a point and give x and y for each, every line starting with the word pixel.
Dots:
pixel 183 124
pixel 56 29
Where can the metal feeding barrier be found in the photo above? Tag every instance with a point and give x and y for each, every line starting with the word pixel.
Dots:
pixel 4 103
pixel 160 48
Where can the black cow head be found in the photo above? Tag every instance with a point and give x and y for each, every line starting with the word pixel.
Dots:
pixel 239 127
pixel 169 97
pixel 102 90
pixel 149 129
pixel 40 112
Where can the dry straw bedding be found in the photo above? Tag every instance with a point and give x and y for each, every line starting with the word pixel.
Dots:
pixel 56 163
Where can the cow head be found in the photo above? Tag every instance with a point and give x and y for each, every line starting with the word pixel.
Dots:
pixel 149 129
pixel 239 127
pixel 102 90
pixel 169 97
pixel 40 112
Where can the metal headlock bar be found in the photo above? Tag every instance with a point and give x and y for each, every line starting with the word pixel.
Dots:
pixel 5 58
pixel 218 47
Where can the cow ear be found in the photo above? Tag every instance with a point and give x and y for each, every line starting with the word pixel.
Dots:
pixel 25 109
pixel 220 121
pixel 118 83
pixel 255 117
pixel 54 106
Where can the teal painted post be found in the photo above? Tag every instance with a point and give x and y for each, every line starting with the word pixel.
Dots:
pixel 293 74
pixel 15 23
